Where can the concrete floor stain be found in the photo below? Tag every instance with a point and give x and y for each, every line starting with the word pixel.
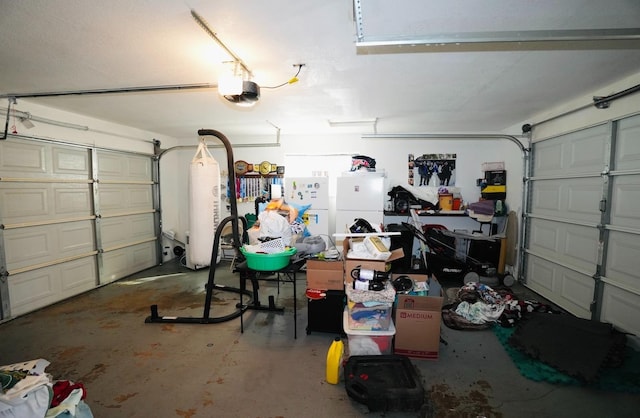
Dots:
pixel 111 406
pixel 147 354
pixel 169 328
pixel 70 353
pixel 123 398
pixel 207 399
pixel 186 414
pixel 97 370
pixel 110 325
pixel 139 301
pixel 64 362
pixel 446 403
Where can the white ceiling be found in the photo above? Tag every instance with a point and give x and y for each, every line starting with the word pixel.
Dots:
pixel 77 45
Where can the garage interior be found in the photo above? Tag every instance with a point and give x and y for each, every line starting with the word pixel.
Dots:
pixel 104 108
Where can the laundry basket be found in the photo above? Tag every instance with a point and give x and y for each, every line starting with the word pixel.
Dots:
pixel 272 246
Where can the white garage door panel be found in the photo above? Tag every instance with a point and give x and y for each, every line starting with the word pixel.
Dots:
pixel 622 309
pixel 24 158
pixel 571 154
pixel 121 167
pixel 29 246
pixel 548 158
pixel 624 201
pixel 118 198
pixel 125 261
pixel 42 160
pixel 32 290
pixel 576 289
pixel 623 260
pixel 540 275
pixel 568 244
pixel 127 236
pixel 123 230
pixel 564 287
pixel 74 201
pixel 29 202
pixel 72 162
pixel 38 288
pixel 580 196
pixel 138 168
pixel 628 146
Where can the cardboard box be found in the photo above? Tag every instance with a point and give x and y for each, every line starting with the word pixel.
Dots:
pixel 417 321
pixel 352 263
pixel 326 275
pixel 376 248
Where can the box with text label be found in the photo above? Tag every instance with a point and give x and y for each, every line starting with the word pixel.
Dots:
pixel 417 321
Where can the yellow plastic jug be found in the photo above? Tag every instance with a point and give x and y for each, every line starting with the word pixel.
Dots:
pixel 334 361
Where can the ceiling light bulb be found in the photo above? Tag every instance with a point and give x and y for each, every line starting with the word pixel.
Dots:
pixel 246 103
pixel 248 96
pixel 230 85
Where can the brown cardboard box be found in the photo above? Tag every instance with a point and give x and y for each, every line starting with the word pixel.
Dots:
pixel 352 263
pixel 325 275
pixel 417 320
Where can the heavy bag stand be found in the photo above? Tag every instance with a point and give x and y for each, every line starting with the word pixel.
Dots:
pixel 211 285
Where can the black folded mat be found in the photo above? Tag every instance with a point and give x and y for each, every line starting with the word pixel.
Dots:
pixel 384 383
pixel 577 347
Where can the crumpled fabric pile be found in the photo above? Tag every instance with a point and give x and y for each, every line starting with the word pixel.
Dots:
pixel 28 391
pixel 479 303
pixel 478 306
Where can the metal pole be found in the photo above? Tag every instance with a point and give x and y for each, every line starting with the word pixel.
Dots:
pixel 112 91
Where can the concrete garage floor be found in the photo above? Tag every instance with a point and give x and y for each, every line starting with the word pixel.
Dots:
pixel 135 369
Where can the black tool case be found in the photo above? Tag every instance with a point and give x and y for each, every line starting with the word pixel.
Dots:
pixel 384 383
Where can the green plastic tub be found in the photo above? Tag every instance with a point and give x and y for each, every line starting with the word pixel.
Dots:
pixel 268 262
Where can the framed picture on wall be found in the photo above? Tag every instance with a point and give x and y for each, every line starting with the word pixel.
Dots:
pixel 432 170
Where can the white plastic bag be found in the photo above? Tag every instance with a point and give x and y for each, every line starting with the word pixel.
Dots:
pixel 274 225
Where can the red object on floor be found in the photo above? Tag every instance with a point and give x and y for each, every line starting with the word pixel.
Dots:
pixel 62 389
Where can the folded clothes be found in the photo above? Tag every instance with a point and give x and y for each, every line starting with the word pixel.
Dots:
pixel 483 207
pixel 369 318
pixel 386 295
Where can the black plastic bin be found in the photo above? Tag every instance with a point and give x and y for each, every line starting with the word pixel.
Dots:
pixel 325 315
pixel 404 241
pixel 384 383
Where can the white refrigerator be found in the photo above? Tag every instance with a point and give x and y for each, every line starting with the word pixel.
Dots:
pixel 359 195
pixel 312 191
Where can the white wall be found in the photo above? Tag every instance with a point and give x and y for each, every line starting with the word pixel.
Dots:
pixel 390 154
